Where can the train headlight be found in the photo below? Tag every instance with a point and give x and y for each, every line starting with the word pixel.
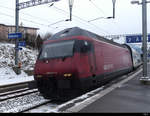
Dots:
pixel 67 75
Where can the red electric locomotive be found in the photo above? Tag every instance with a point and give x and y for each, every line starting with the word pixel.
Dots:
pixel 75 59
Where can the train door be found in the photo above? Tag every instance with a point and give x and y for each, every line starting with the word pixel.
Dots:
pixel 92 60
pixel 88 48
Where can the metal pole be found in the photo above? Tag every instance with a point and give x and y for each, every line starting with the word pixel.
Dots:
pixel 114 2
pixel 114 11
pixel 144 31
pixel 70 8
pixel 145 77
pixel 70 12
pixel 17 29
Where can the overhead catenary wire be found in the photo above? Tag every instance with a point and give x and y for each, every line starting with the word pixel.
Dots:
pixel 48 21
pixel 85 21
pixel 11 9
pixel 114 23
pixel 24 19
pixel 99 9
pixel 45 20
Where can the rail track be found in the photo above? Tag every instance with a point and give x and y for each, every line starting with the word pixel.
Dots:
pixel 20 97
pixel 30 100
pixel 53 107
pixel 17 93
pixel 20 100
pixel 15 86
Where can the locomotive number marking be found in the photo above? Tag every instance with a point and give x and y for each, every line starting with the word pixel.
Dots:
pixel 108 66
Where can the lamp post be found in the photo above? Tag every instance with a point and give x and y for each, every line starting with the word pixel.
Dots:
pixel 145 77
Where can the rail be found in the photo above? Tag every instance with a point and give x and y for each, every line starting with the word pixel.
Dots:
pixel 15 86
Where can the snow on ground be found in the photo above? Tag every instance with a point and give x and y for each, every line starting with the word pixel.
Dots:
pixel 7 56
pixel 7 60
pixel 8 76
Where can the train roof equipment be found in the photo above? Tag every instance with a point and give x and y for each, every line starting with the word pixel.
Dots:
pixel 76 31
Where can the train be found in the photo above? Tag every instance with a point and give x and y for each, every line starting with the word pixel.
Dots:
pixel 75 59
pixel 136 54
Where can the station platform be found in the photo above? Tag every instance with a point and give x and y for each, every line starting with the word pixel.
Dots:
pixel 131 97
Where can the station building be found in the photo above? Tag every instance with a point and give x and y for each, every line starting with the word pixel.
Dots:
pixel 5 29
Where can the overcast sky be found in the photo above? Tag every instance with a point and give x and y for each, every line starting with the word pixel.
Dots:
pixel 128 19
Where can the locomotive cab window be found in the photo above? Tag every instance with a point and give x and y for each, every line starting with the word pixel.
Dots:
pixel 57 50
pixel 83 46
